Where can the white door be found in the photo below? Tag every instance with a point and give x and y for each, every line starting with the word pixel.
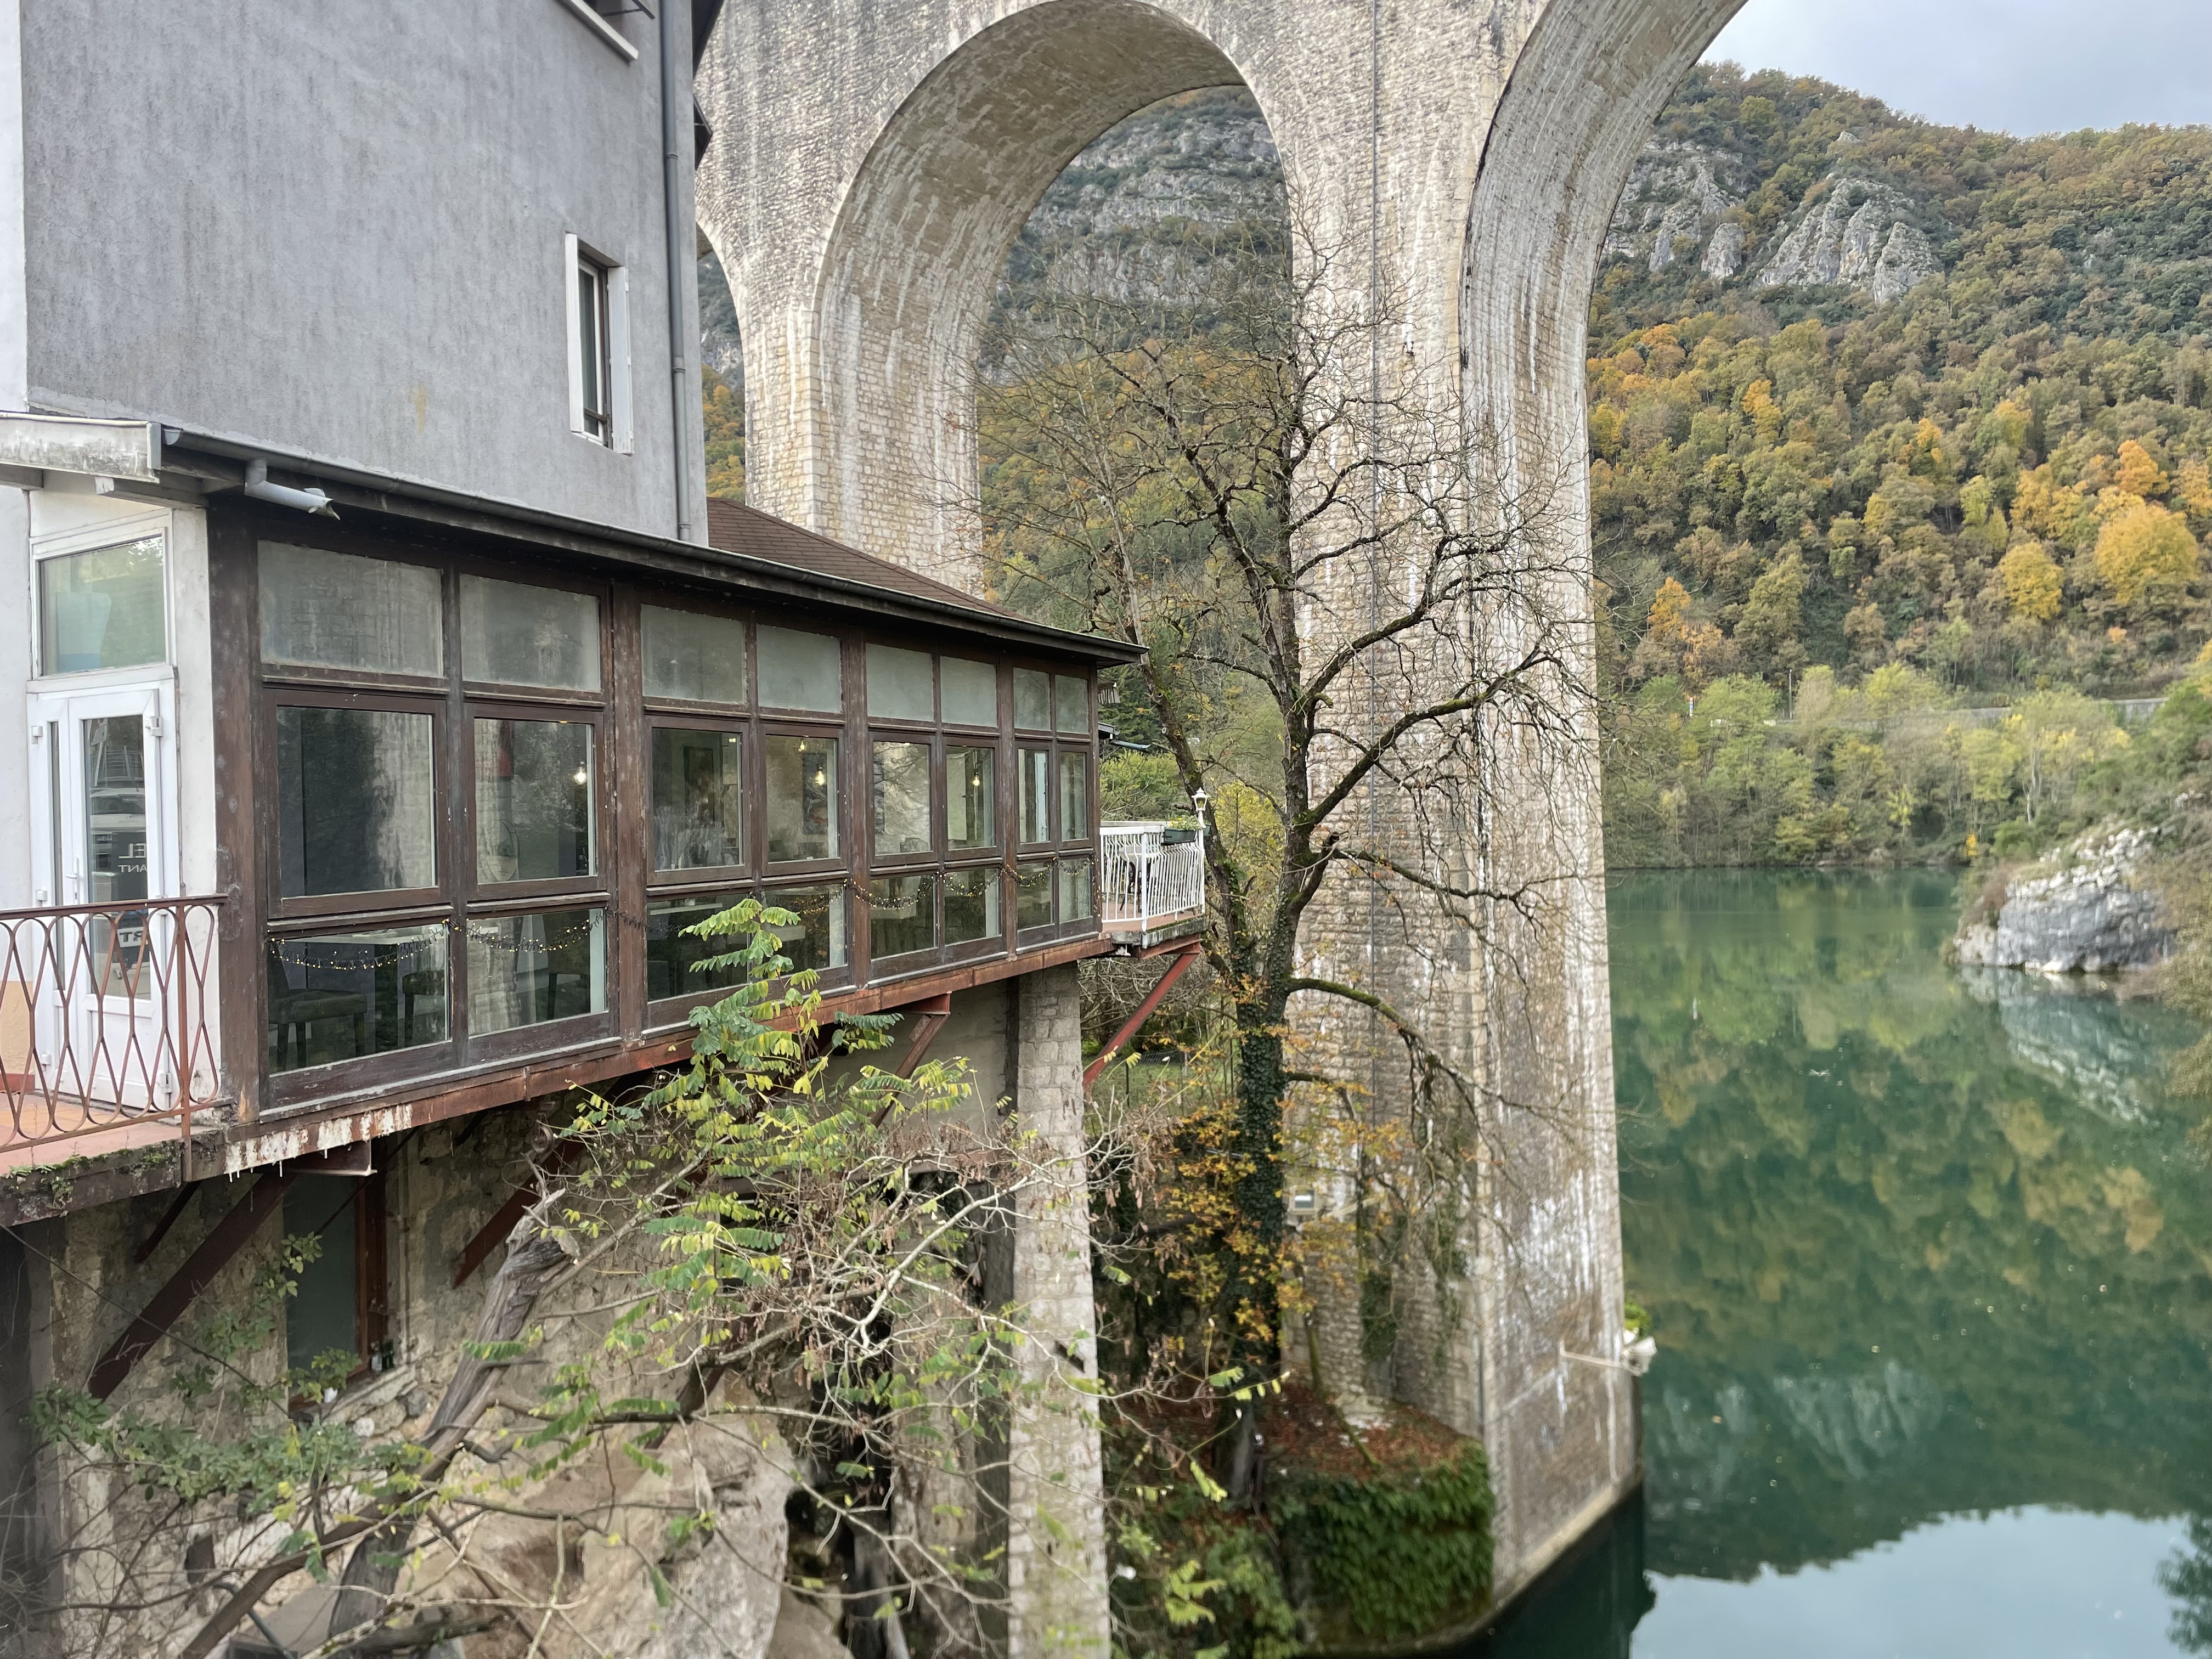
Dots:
pixel 104 830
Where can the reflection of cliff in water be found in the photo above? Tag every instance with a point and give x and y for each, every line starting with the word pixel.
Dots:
pixel 2107 1053
pixel 1913 1248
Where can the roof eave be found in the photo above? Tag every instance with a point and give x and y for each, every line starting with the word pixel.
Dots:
pixel 431 503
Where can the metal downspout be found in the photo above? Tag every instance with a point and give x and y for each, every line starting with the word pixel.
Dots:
pixel 682 347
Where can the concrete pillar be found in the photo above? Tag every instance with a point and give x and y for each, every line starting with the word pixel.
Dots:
pixel 1056 1539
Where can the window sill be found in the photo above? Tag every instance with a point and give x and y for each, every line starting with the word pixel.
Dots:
pixel 605 31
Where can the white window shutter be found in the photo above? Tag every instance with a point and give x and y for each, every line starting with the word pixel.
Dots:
pixel 568 254
pixel 618 366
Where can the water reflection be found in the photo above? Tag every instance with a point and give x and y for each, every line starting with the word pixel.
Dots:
pixel 1931 1266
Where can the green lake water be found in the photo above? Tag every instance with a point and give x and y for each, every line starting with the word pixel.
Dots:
pixel 1930 1262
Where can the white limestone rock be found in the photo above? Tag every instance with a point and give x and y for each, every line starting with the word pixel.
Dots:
pixel 1859 235
pixel 1676 191
pixel 1723 252
pixel 2088 914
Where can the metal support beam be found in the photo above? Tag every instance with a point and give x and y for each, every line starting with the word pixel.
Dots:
pixel 1184 958
pixel 223 1241
pixel 928 1018
pixel 493 1234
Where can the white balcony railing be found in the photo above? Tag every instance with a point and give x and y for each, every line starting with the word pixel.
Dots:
pixel 1151 878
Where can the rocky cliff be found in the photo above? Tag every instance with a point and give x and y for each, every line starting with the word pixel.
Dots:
pixel 1853 229
pixel 2089 912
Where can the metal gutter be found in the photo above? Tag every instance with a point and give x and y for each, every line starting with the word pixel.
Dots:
pixel 683 236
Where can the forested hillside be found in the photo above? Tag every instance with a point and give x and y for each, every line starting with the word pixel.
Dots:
pixel 1889 421
pixel 1921 406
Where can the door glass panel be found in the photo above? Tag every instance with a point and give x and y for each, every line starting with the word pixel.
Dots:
pixel 1032 700
pixel 902 914
pixel 800 670
pixel 117 838
pixel 671 953
pixel 1071 709
pixel 971 798
pixel 971 905
pixel 534 819
pixel 103 609
pixel 802 797
pixel 1074 797
pixel 698 803
pixel 1033 896
pixel 1037 799
pixel 899 684
pixel 698 659
pixel 902 796
pixel 526 971
pixel 324 609
pixel 1075 890
pixel 515 634
pixel 323 1313
pixel 354 800
pixel 817 939
pixel 339 996
pixel 970 690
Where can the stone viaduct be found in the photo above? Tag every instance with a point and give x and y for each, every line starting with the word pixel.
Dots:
pixel 872 162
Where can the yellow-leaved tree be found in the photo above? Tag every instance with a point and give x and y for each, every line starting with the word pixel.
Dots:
pixel 2032 587
pixel 2145 557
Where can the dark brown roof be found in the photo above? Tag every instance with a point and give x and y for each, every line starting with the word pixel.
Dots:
pixel 734 527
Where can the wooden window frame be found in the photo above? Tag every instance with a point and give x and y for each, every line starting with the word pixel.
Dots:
pixel 477 893
pixel 807 872
pixel 525 1041
pixel 751 814
pixel 372 1276
pixel 374 901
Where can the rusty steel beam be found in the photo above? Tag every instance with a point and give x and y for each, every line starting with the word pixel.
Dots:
pixel 1184 958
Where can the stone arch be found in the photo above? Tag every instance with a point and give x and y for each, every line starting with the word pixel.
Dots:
pixel 919 241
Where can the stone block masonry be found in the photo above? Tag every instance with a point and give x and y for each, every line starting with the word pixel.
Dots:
pixel 871 169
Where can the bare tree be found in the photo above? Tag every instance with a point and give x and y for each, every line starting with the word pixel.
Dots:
pixel 1346 614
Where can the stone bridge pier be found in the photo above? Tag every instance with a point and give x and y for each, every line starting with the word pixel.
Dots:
pixel 872 164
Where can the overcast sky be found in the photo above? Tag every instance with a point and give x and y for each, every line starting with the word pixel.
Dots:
pixel 2022 66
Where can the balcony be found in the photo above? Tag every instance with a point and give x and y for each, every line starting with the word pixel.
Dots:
pixel 107 1027
pixel 1151 882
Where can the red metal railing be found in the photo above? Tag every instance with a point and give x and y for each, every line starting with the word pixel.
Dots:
pixel 106 1022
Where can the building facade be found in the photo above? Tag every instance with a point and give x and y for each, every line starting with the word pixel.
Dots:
pixel 387 699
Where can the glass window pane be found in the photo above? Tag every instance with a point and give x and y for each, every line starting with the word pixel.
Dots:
pixel 323 610
pixel 1032 700
pixel 534 818
pixel 970 692
pixel 1074 890
pixel 587 334
pixel 1033 896
pixel 1070 707
pixel 899 687
pixel 802 797
pixel 800 670
pixel 323 1313
pixel 816 941
pixel 670 952
pixel 1074 796
pixel 971 905
pixel 526 971
pixel 514 634
pixel 103 609
pixel 355 802
pixel 338 996
pixel 1037 799
pixel 696 658
pixel 971 798
pixel 698 804
pixel 116 836
pixel 902 916
pixel 901 788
